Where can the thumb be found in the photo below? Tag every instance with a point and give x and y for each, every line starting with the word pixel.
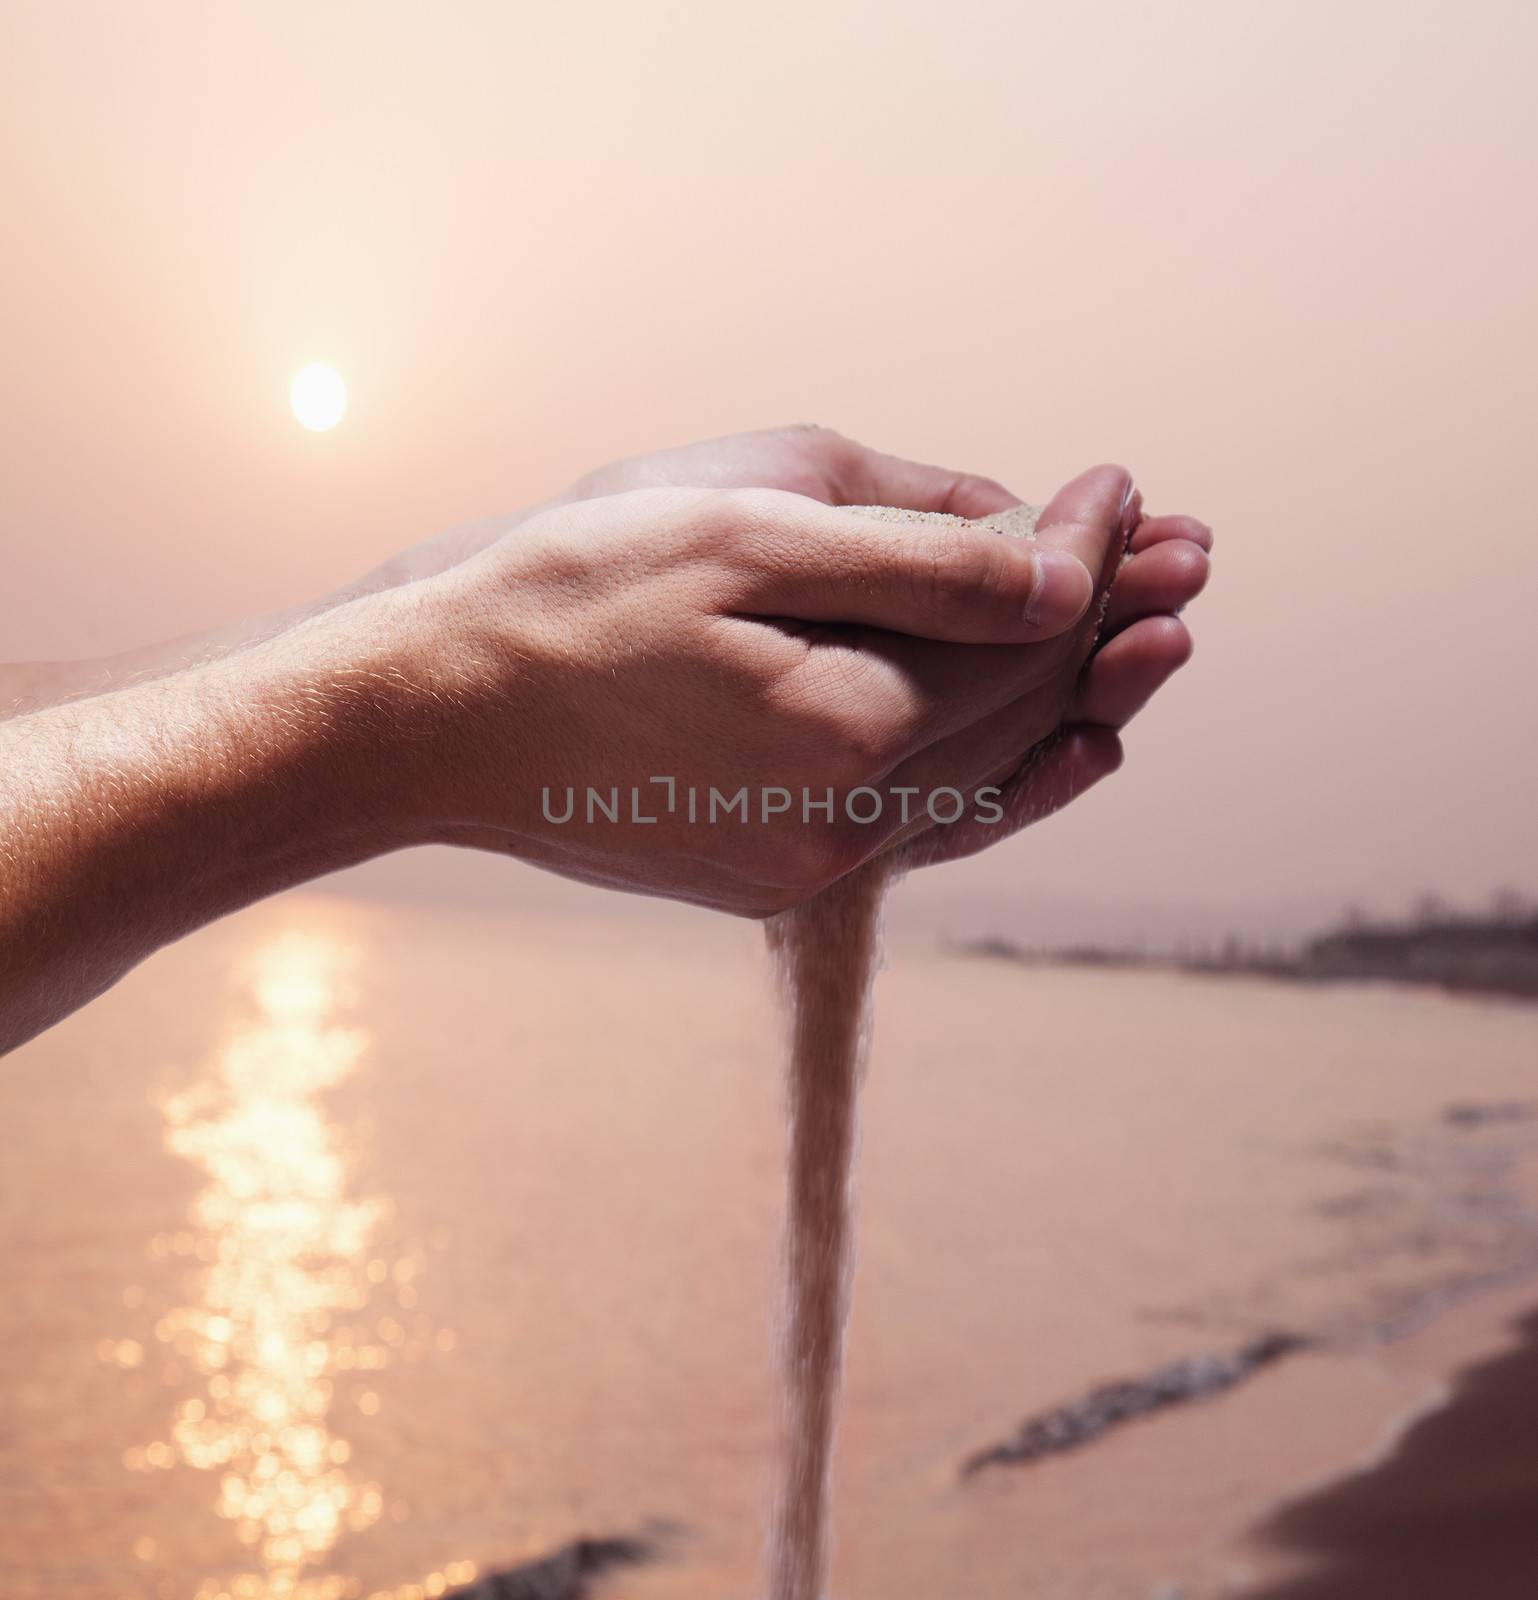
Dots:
pixel 1087 517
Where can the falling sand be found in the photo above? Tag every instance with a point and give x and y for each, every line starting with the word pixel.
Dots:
pixel 826 952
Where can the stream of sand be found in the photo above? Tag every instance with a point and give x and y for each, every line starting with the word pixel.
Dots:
pixel 826 952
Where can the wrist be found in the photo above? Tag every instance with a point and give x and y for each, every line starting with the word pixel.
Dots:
pixel 132 818
pixel 393 705
pixel 316 732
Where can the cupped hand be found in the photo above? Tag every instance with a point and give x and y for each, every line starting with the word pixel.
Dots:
pixel 804 459
pixel 801 459
pixel 648 646
pixel 1135 642
pixel 683 641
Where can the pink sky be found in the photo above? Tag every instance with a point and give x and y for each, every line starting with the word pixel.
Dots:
pixel 1278 259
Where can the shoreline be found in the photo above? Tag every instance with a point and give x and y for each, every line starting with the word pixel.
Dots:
pixel 1427 1508
pixel 1067 1178
pixel 1484 958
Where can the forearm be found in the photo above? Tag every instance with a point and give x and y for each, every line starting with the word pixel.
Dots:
pixel 128 819
pixel 30 686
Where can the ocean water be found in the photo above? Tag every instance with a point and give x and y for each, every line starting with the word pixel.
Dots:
pixel 355 1250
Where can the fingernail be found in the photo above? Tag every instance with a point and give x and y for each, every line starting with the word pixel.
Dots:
pixel 1131 511
pixel 1062 592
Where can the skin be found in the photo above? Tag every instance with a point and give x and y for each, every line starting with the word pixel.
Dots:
pixel 708 614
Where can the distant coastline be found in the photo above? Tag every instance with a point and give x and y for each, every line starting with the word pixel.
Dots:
pixel 1495 954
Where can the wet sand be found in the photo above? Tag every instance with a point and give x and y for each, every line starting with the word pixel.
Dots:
pixel 351 1250
pixel 1451 1512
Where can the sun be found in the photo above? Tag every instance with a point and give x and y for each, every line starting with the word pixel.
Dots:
pixel 318 396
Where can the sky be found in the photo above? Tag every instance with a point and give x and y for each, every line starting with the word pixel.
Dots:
pixel 1279 260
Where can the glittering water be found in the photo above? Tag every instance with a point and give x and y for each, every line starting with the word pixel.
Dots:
pixel 292 1312
pixel 353 1250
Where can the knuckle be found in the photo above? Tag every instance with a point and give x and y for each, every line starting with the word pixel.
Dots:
pixel 734 519
pixel 960 569
pixel 739 507
pixel 716 510
pixel 972 489
pixel 715 523
pixel 837 450
pixel 816 432
pixel 835 460
pixel 548 559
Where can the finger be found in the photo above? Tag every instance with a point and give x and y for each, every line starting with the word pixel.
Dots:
pixel 1100 499
pixel 866 477
pixel 1118 682
pixel 919 692
pixel 925 692
pixel 1133 515
pixel 1056 773
pixel 1125 674
pixel 1163 578
pixel 988 751
pixel 1153 530
pixel 806 562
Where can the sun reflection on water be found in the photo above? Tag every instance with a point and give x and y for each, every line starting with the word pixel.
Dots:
pixel 285 1266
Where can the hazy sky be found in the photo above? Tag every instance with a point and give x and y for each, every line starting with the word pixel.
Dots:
pixel 1279 259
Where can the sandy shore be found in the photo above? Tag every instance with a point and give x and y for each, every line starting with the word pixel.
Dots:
pixel 353 1247
pixel 1443 1504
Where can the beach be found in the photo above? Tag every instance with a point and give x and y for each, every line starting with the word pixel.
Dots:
pixel 359 1249
pixel 1445 1506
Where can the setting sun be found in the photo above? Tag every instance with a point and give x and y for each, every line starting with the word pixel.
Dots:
pixel 318 396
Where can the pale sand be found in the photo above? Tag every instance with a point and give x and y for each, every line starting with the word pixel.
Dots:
pixel 1019 522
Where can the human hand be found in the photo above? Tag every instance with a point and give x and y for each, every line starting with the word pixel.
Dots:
pixel 1127 650
pixel 738 640
pixel 730 640
pixel 801 459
